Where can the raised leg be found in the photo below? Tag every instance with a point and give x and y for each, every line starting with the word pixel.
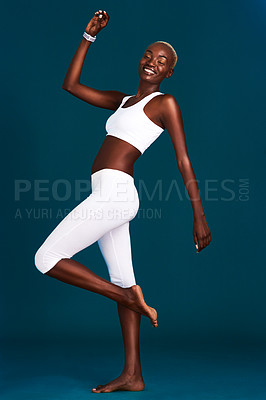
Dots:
pixel 78 230
pixel 76 274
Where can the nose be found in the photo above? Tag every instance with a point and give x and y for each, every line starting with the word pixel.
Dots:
pixel 151 62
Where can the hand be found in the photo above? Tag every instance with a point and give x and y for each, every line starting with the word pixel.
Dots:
pixel 201 233
pixel 97 23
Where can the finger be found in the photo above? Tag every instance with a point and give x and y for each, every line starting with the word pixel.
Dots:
pixel 96 15
pixel 200 249
pixel 205 242
pixel 99 13
pixel 196 241
pixel 201 245
pixel 99 19
pixel 106 16
pixel 102 18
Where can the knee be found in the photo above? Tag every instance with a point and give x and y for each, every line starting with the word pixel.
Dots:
pixel 39 260
pixel 46 258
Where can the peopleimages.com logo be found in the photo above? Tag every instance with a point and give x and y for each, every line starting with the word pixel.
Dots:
pixel 33 198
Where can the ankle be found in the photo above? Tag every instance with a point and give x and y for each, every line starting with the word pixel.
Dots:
pixel 132 372
pixel 129 297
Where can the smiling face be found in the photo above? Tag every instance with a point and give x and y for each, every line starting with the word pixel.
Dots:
pixel 155 65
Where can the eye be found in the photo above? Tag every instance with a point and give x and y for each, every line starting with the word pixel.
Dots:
pixel 160 63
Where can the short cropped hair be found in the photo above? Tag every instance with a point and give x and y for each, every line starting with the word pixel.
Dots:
pixel 175 57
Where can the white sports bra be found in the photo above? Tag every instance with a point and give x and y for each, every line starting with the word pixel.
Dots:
pixel 133 125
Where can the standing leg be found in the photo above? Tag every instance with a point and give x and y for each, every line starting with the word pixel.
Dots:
pixel 131 377
pixel 116 249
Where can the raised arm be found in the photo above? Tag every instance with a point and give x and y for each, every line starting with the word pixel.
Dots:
pixel 173 122
pixel 109 99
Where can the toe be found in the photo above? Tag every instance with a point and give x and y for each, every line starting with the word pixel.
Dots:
pixel 97 389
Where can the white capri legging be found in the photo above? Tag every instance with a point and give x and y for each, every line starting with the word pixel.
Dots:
pixel 103 217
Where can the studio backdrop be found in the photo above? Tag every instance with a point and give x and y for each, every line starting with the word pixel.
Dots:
pixel 50 139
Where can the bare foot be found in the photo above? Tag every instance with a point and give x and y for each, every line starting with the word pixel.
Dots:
pixel 137 303
pixel 123 382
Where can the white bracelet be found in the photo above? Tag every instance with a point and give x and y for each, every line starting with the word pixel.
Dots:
pixel 89 37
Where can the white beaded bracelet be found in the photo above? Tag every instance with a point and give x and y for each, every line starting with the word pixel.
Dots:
pixel 89 37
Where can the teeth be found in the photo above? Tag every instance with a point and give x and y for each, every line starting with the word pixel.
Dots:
pixel 149 71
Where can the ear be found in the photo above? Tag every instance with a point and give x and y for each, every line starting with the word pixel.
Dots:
pixel 170 73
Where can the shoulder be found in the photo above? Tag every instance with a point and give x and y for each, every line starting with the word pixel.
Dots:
pixel 170 111
pixel 169 105
pixel 168 100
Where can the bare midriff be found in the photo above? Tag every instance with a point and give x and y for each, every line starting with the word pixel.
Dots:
pixel 116 153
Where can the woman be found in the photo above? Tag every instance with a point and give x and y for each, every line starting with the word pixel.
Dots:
pixel 105 214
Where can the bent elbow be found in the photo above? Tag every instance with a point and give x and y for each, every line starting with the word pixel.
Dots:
pixel 67 88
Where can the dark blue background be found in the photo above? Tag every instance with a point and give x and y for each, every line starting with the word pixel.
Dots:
pixel 215 296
